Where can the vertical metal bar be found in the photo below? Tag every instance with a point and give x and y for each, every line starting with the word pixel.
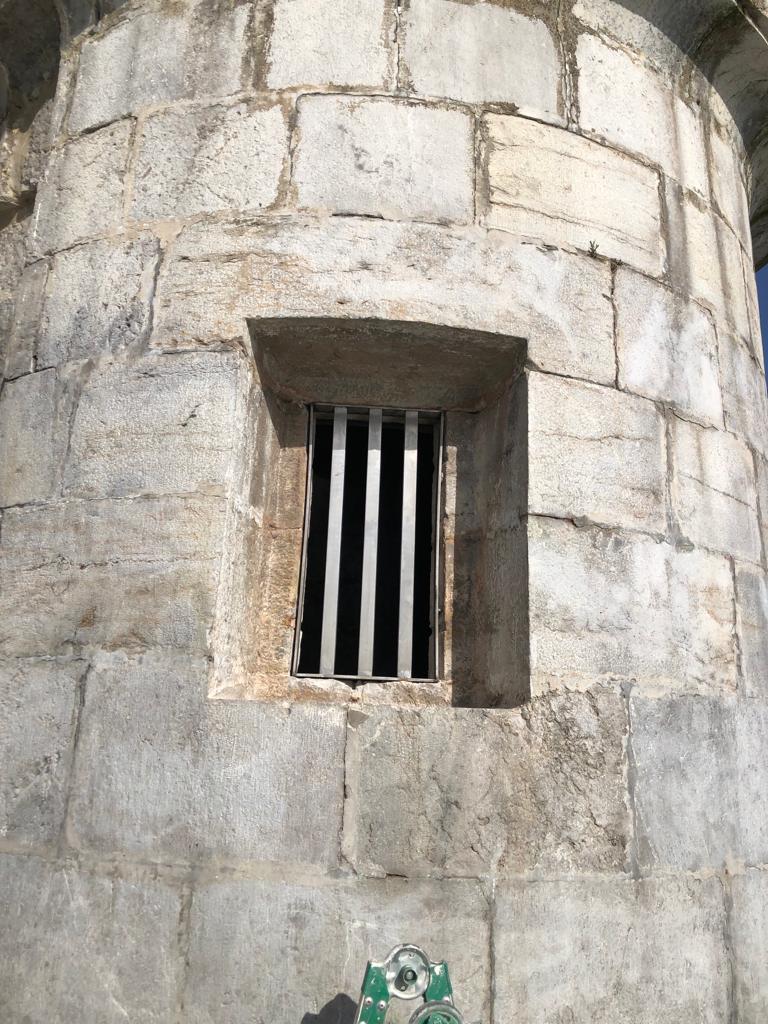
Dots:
pixel 370 545
pixel 304 541
pixel 333 549
pixel 408 547
pixel 434 584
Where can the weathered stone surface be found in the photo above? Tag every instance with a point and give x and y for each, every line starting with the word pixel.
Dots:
pixel 82 194
pixel 728 188
pixel 335 928
pixel 744 393
pixel 532 172
pixel 156 57
pixel 749 933
pixel 37 706
pixel 121 573
pixel 761 466
pixel 32 438
pixel 595 453
pixel 37 147
pixel 713 490
pixel 331 42
pixel 700 781
pixel 606 605
pixel 667 348
pixel 481 53
pixel 78 946
pixel 165 424
pixel 206 159
pixel 13 238
pixel 365 268
pixel 752 604
pixel 22 342
pixel 169 775
pixel 384 157
pixel 487 793
pixel 97 299
pixel 598 950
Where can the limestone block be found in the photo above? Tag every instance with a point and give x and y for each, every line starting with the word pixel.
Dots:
pixel 714 500
pixel 568 191
pixel 217 276
pixel 331 42
pixel 744 393
pixel 168 775
pixel 594 452
pixel 158 425
pixel 97 299
pixel 384 157
pixel 155 57
pixel 753 309
pixel 667 348
pixel 32 438
pixel 482 53
pixel 22 342
pixel 761 467
pixel 452 792
pixel 749 931
pixel 77 946
pixel 603 604
pixel 688 162
pixel 700 782
pixel 335 926
pixel 598 950
pixel 752 604
pixel 82 193
pixel 37 705
pixel 728 190
pixel 202 160
pixel 37 147
pixel 120 573
pixel 13 241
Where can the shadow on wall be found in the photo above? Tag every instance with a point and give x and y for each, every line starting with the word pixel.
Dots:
pixel 340 1010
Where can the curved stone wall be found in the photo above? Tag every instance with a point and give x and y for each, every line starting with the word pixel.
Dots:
pixel 578 178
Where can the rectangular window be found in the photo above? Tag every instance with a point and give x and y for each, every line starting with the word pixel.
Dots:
pixel 368 594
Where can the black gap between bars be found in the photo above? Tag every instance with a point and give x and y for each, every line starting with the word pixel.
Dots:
pixel 388 550
pixel 352 537
pixel 422 596
pixel 312 610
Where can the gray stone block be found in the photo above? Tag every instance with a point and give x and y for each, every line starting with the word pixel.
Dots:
pixel 79 947
pixel 22 341
pixel 294 947
pixel 382 157
pixel 126 574
pixel 202 160
pixel 454 792
pixel 167 775
pixel 700 782
pixel 752 605
pixel 97 299
pixel 749 935
pixel 601 950
pixel 37 709
pixel 82 194
pixel 32 438
pixel 744 393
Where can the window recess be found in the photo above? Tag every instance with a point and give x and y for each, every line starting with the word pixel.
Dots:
pixel 368 594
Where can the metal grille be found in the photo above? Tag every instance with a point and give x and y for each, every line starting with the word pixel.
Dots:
pixel 368 595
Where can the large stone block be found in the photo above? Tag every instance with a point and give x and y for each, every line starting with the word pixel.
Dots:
pixel 594 452
pixel 667 348
pixel 749 934
pixel 384 157
pixel 321 934
pixel 168 775
pixel 82 194
pixel 752 604
pixel 552 185
pixel 598 950
pixel 207 159
pixel 97 299
pixel 744 393
pixel 728 188
pixel 22 340
pixel 125 573
pixel 713 490
pixel 605 605
pixel 218 276
pixel 761 467
pixel 32 438
pixel 76 946
pixel 156 57
pixel 37 708
pixel 461 792
pixel 700 782
pixel 331 42
pixel 481 53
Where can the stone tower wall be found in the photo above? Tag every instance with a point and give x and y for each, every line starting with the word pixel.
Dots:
pixel 576 817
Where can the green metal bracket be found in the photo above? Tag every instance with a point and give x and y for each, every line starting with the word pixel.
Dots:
pixel 407 973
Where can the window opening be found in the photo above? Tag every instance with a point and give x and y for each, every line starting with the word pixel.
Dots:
pixel 368 593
